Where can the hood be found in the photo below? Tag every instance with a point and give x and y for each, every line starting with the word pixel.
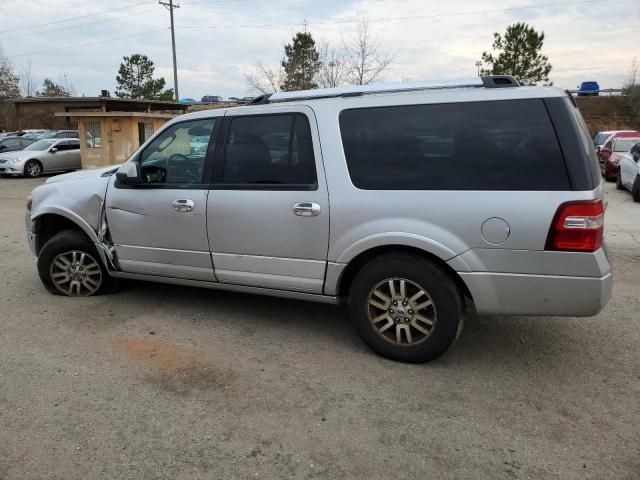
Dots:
pixel 14 154
pixel 81 174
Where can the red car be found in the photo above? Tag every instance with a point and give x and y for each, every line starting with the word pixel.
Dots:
pixel 612 151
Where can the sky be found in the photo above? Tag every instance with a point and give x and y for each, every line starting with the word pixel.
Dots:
pixel 219 41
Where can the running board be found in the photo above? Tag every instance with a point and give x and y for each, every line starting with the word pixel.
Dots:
pixel 312 297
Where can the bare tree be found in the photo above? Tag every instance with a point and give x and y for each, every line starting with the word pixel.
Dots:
pixel 631 89
pixel 264 80
pixel 332 70
pixel 67 85
pixel 27 82
pixel 9 90
pixel 365 62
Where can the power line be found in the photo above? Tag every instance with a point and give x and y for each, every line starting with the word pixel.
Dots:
pixel 79 45
pixel 74 18
pixel 395 19
pixel 71 27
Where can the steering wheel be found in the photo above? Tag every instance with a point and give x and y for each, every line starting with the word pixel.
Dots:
pixel 179 166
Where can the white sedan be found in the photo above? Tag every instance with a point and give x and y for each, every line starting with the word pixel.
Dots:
pixel 629 172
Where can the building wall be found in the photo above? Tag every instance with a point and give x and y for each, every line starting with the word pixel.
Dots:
pixel 41 115
pixel 119 139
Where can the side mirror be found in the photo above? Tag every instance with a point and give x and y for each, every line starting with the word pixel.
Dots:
pixel 598 148
pixel 53 149
pixel 129 174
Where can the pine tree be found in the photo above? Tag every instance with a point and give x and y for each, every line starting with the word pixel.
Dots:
pixel 301 63
pixel 518 54
pixel 53 89
pixel 135 80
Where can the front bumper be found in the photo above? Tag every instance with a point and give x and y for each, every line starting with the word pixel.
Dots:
pixel 10 169
pixel 32 238
pixel 550 295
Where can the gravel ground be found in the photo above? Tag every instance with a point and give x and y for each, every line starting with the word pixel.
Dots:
pixel 182 383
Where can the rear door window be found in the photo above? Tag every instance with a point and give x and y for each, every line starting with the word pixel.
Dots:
pixel 269 150
pixel 500 145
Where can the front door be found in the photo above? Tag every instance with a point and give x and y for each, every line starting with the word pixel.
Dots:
pixel 159 227
pixel 268 210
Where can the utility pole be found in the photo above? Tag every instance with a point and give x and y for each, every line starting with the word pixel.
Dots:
pixel 170 6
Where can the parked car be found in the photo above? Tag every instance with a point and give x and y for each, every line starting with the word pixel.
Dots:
pixel 600 138
pixel 629 172
pixel 610 154
pixel 211 99
pixel 8 134
pixel 399 201
pixel 590 88
pixel 59 134
pixel 31 133
pixel 11 144
pixel 42 156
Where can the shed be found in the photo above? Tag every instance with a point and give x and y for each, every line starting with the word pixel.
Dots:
pixel 108 138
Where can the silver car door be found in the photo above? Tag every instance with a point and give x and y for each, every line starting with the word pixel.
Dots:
pixel 159 226
pixel 54 158
pixel 73 156
pixel 268 212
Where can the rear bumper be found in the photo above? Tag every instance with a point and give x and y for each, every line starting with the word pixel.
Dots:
pixel 551 295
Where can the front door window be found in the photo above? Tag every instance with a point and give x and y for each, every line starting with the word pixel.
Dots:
pixel 177 155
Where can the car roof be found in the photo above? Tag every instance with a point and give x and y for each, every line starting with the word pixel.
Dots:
pixel 627 134
pixel 451 91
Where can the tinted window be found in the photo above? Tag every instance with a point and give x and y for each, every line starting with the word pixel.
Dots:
pixel 269 149
pixel 502 145
pixel 171 158
pixel 10 144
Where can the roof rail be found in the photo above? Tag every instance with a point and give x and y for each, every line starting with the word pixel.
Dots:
pixel 492 81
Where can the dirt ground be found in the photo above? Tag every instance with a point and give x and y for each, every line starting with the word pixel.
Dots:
pixel 169 382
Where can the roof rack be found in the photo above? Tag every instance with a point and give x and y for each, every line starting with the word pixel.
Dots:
pixel 490 81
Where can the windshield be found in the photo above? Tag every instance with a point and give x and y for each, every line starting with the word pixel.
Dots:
pixel 48 135
pixel 600 138
pixel 40 145
pixel 625 145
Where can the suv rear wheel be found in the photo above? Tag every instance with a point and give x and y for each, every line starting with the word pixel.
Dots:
pixel 68 264
pixel 405 307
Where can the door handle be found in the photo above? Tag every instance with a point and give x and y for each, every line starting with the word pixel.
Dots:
pixel 306 209
pixel 183 205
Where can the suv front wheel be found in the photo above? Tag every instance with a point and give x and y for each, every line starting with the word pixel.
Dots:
pixel 405 307
pixel 68 264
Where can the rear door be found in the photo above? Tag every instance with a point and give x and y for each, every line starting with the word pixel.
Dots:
pixel 268 211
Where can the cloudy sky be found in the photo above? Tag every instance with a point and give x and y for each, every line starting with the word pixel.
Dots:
pixel 219 41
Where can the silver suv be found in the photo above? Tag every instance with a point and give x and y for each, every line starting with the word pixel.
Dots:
pixel 401 201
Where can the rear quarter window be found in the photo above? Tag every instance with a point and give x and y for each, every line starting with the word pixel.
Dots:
pixel 498 145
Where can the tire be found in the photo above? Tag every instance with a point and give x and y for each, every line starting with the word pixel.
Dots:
pixel 619 185
pixel 32 169
pixel 72 252
pixel 444 310
pixel 635 190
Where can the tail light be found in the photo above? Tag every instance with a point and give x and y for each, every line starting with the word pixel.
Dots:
pixel 577 227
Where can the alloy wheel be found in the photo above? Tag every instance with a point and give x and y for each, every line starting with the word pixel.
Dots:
pixel 76 274
pixel 401 312
pixel 33 169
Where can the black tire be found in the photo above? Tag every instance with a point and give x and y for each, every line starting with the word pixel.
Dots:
pixel 619 185
pixel 67 241
pixel 446 309
pixel 32 169
pixel 635 190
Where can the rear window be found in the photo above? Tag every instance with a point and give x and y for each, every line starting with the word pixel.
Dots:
pixel 502 145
